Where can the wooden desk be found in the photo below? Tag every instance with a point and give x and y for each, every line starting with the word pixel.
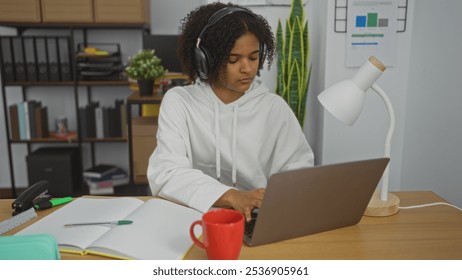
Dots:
pixel 423 233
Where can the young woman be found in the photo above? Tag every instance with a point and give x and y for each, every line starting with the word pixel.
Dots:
pixel 220 139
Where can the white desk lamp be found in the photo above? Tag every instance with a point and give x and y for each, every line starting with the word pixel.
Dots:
pixel 345 100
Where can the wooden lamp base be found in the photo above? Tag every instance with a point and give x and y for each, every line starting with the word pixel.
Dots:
pixel 380 208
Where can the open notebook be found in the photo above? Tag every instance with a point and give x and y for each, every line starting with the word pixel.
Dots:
pixel 160 229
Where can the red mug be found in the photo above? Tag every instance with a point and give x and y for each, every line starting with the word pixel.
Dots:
pixel 222 232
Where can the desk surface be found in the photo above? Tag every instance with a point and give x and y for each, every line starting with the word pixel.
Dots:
pixel 424 233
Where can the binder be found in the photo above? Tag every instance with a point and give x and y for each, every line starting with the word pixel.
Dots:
pixel 53 63
pixel 30 59
pixel 18 58
pixel 42 59
pixel 7 59
pixel 64 57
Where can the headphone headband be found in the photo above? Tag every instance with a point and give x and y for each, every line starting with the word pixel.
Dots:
pixel 218 15
pixel 201 54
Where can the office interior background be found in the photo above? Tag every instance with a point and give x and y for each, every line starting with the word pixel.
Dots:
pixel 423 85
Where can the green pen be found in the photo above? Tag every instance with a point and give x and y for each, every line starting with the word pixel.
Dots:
pixel 111 223
pixel 45 204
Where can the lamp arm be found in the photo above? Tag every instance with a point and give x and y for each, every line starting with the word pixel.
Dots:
pixel 391 128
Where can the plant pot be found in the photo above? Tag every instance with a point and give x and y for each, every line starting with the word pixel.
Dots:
pixel 146 87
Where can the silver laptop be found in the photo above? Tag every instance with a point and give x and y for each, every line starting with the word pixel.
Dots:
pixel 315 199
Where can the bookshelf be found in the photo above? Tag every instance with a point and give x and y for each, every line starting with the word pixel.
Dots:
pixel 74 83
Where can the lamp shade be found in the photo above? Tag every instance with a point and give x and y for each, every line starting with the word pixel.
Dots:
pixel 345 99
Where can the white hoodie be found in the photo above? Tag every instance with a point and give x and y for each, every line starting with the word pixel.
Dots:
pixel 205 147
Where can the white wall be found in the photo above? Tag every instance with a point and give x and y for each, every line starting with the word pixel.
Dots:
pixel 432 151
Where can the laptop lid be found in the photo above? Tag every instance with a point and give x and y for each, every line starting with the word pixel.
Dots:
pixel 315 199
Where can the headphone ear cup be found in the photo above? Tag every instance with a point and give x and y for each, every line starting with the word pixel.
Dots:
pixel 202 63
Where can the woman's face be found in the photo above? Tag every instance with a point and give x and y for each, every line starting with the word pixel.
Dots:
pixel 241 69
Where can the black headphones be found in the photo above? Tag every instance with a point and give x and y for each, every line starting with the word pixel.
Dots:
pixel 201 54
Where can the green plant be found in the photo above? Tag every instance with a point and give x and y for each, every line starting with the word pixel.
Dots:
pixel 293 51
pixel 145 65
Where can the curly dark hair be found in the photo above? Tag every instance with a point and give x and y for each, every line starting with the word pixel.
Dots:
pixel 219 39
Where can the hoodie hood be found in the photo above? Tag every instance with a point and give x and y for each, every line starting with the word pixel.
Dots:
pixel 256 89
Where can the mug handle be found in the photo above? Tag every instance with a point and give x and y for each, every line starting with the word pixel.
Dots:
pixel 193 236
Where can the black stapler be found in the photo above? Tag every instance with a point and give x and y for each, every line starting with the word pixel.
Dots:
pixel 26 199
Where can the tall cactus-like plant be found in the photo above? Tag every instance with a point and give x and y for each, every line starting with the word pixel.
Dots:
pixel 293 52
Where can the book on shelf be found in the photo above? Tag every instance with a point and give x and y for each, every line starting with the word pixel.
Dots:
pixel 123 120
pixel 31 106
pixel 100 170
pixel 103 121
pixel 160 228
pixel 28 120
pixel 22 121
pixel 83 130
pixel 87 120
pixel 107 121
pixel 14 121
pixel 41 122
pixel 99 122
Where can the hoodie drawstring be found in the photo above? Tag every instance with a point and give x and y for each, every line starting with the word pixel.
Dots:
pixel 234 143
pixel 236 107
pixel 217 142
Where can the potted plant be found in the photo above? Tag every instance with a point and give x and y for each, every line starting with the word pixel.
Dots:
pixel 293 56
pixel 145 67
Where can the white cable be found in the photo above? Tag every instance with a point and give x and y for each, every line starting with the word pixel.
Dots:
pixel 430 204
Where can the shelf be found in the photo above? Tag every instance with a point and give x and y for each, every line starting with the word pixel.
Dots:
pixel 56 140
pixel 44 140
pixel 67 25
pixel 136 98
pixel 70 83
pixel 114 139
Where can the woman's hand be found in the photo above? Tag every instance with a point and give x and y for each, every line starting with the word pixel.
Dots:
pixel 242 201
